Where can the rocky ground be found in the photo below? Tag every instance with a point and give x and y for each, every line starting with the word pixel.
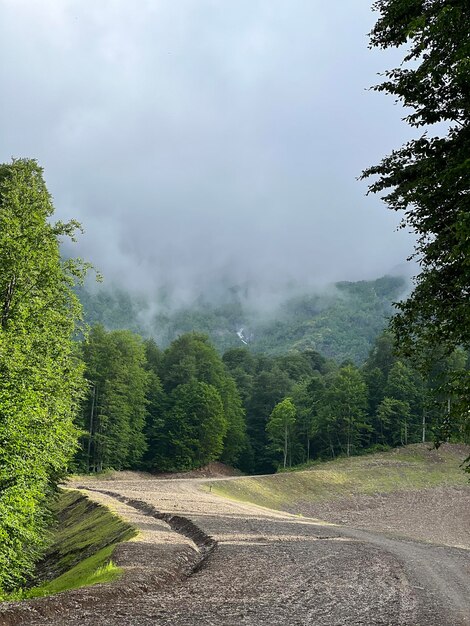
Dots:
pixel 202 559
pixel 433 515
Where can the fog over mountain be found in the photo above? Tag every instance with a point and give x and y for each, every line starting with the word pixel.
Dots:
pixel 206 140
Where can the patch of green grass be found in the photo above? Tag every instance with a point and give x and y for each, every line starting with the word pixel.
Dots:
pixel 97 568
pixel 413 467
pixel 83 528
pixel 80 554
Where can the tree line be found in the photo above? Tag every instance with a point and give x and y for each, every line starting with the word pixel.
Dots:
pixel 163 411
pixel 185 406
pixel 139 407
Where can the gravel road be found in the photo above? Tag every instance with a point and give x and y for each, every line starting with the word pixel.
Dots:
pixel 251 566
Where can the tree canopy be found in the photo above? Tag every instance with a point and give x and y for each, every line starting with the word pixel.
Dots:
pixel 40 375
pixel 428 178
pixel 280 428
pixel 114 414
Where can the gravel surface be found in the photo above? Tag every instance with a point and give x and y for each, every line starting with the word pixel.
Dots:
pixel 439 515
pixel 262 568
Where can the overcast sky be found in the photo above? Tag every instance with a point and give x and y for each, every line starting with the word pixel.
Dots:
pixel 200 139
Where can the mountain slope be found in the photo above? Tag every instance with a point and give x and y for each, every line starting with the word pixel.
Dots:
pixel 341 322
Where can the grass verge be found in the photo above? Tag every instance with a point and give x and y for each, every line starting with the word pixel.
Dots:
pixel 412 467
pixel 80 554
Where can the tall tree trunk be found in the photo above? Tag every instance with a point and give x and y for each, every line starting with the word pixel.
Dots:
pixel 285 446
pixel 90 436
pixel 331 447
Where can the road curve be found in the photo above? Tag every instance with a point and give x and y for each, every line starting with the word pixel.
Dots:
pixel 266 567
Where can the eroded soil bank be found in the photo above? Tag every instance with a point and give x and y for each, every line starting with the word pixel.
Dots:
pixel 265 567
pixel 268 568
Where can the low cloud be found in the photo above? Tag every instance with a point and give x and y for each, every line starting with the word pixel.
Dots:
pixel 203 141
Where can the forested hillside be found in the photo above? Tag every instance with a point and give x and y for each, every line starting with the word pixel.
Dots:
pixel 341 322
pixel 266 394
pixel 185 406
pixel 211 157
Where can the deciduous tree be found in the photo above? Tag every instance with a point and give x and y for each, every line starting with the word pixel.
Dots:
pixel 428 179
pixel 40 375
pixel 280 427
pixel 114 415
pixel 195 427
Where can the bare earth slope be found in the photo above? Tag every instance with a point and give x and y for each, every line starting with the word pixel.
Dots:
pixel 262 567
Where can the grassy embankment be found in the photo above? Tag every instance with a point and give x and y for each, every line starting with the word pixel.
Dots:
pixel 413 467
pixel 80 553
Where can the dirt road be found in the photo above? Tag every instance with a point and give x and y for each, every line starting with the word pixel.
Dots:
pixel 253 566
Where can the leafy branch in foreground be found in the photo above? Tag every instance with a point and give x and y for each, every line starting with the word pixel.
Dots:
pixel 428 179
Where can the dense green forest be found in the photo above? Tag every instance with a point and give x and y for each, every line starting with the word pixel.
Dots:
pixel 340 321
pixel 144 388
pixel 88 399
pixel 182 407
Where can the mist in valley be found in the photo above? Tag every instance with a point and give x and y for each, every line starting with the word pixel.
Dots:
pixel 210 150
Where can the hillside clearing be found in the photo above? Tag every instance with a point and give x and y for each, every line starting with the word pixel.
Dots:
pixel 416 491
pixel 414 467
pixel 271 567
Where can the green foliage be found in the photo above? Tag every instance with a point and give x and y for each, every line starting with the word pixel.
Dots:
pixel 340 322
pixel 83 540
pixel 191 357
pixel 308 397
pixel 195 411
pixel 81 528
pixel 280 428
pixel 263 382
pixel 219 321
pixel 112 307
pixel 339 410
pixel 393 416
pixel 115 411
pixel 270 386
pixel 196 403
pixel 236 439
pixel 428 178
pixel 449 387
pixel 195 427
pixel 94 570
pixel 342 418
pixel 40 375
